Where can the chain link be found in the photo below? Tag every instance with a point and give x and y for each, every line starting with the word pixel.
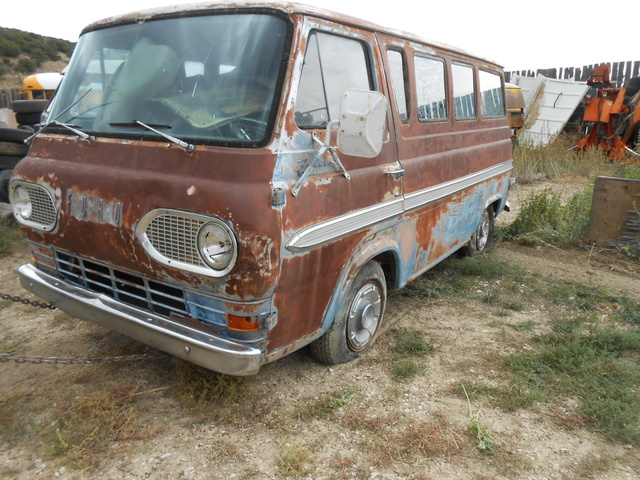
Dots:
pixel 26 301
pixel 5 357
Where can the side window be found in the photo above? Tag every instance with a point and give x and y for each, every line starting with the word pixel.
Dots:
pixel 430 89
pixel 492 95
pixel 464 92
pixel 332 65
pixel 399 82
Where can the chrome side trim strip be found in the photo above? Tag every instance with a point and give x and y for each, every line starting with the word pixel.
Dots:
pixel 330 230
pixel 339 227
pixel 432 194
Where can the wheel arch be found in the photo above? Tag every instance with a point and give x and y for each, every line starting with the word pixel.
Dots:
pixel 384 251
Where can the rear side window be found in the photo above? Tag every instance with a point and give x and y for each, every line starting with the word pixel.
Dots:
pixel 332 65
pixel 430 89
pixel 492 95
pixel 399 82
pixel 464 92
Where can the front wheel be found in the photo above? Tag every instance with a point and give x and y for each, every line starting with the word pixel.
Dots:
pixel 358 321
pixel 483 238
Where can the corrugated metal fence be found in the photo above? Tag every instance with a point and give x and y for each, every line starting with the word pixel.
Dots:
pixel 621 72
pixel 8 95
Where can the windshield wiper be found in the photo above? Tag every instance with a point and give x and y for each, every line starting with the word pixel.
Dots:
pixel 188 147
pixel 81 134
pixel 84 136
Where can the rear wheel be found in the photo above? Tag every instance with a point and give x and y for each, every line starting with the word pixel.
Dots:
pixel 358 321
pixel 483 238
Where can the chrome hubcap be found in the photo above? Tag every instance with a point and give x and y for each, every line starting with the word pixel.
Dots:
pixel 364 316
pixel 482 234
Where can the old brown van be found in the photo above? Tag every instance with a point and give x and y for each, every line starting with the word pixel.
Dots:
pixel 229 183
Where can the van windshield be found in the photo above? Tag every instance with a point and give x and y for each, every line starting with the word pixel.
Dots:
pixel 212 79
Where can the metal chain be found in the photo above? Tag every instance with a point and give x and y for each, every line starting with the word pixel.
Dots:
pixel 5 357
pixel 26 301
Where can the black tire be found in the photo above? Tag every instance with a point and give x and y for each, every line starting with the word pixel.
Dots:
pixel 355 327
pixel 5 176
pixel 8 162
pixel 13 149
pixel 483 238
pixel 28 118
pixel 29 106
pixel 16 135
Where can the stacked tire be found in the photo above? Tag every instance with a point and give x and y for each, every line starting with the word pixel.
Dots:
pixel 12 150
pixel 28 112
pixel 12 146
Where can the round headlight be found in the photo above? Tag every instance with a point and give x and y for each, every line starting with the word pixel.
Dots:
pixel 217 246
pixel 21 202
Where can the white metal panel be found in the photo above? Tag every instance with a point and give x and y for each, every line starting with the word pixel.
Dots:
pixel 549 103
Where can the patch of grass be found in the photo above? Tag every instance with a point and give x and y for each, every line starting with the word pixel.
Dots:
pixel 84 428
pixel 598 365
pixel 408 368
pixel 200 387
pixel 628 311
pixel 557 160
pixel 10 346
pixel 389 441
pixel 546 218
pixel 592 466
pixel 410 344
pixel 515 306
pixel 326 405
pixel 527 325
pixel 295 461
pixel 10 236
pixel 420 289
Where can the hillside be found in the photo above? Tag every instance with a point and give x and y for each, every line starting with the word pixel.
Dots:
pixel 23 53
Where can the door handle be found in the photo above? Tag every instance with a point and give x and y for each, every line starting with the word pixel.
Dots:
pixel 397 174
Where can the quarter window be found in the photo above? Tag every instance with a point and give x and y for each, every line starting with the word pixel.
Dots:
pixel 332 65
pixel 430 89
pixel 398 80
pixel 492 95
pixel 464 92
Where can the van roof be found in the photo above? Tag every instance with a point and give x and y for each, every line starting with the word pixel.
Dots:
pixel 286 7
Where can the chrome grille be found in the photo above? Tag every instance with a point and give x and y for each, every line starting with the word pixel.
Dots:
pixel 43 210
pixel 128 288
pixel 175 237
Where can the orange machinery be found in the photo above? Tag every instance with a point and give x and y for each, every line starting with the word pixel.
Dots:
pixel 614 115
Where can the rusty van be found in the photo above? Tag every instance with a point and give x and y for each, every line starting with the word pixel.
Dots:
pixel 230 182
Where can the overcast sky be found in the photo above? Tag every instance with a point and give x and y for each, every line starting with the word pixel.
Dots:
pixel 517 34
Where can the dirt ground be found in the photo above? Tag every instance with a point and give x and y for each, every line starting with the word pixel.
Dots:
pixel 358 439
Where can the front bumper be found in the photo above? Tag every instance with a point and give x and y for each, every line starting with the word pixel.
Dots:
pixel 182 341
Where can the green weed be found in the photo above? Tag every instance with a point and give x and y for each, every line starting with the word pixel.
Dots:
pixel 599 365
pixel 556 160
pixel 410 344
pixel 546 218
